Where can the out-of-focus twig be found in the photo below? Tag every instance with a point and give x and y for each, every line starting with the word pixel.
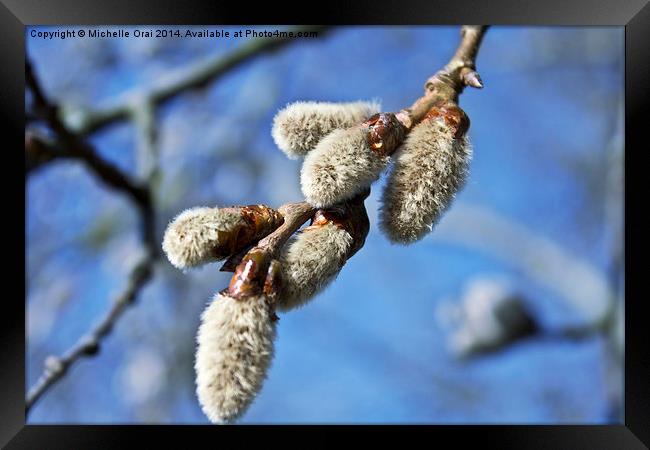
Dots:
pixel 139 106
pixel 146 140
pixel 68 145
pixel 539 258
pixel 57 366
pixel 40 150
pixel 176 82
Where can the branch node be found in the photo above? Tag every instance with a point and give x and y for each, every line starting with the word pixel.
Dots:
pixel 90 346
pixel 54 365
pixel 471 78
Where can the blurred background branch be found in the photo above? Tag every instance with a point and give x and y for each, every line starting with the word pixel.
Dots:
pixel 194 76
pixel 575 280
pixel 57 366
pixel 71 129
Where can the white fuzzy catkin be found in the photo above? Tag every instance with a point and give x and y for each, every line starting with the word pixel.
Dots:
pixel 309 262
pixel 301 125
pixel 235 350
pixel 193 235
pixel 428 169
pixel 341 166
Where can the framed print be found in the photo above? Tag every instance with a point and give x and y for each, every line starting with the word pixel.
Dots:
pixel 419 215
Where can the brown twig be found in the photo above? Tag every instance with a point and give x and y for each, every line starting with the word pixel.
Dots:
pixel 447 84
pixel 295 214
pixel 250 272
pixel 388 130
pixel 250 275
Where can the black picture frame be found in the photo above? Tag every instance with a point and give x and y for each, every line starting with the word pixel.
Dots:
pixel 634 15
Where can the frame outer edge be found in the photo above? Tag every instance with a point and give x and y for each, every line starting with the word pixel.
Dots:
pixel 12 330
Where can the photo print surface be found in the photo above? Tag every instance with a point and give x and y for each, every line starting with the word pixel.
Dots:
pixel 351 224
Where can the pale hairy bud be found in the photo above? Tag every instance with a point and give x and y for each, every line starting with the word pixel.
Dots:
pixel 235 350
pixel 301 125
pixel 315 256
pixel 310 261
pixel 201 235
pixel 348 161
pixel 428 170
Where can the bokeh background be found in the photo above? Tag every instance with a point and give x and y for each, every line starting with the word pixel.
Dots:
pixel 405 334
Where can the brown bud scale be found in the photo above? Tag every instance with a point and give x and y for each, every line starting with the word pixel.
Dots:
pixel 385 133
pixel 454 117
pixel 247 279
pixel 272 281
pixel 352 218
pixel 233 260
pixel 260 220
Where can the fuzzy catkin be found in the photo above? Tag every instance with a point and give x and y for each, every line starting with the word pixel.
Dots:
pixel 341 166
pixel 309 262
pixel 428 169
pixel 301 125
pixel 190 239
pixel 235 350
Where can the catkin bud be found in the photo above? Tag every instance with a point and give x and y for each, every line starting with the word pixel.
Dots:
pixel 428 170
pixel 235 350
pixel 316 255
pixel 301 125
pixel 347 161
pixel 201 235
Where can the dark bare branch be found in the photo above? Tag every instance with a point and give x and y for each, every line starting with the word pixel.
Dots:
pixel 139 106
pixel 40 149
pixel 69 145
pixel 195 76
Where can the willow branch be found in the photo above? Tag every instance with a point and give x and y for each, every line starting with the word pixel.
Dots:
pixel 388 130
pixel 295 215
pixel 447 84
pixel 461 69
pixel 195 76
pixel 140 106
